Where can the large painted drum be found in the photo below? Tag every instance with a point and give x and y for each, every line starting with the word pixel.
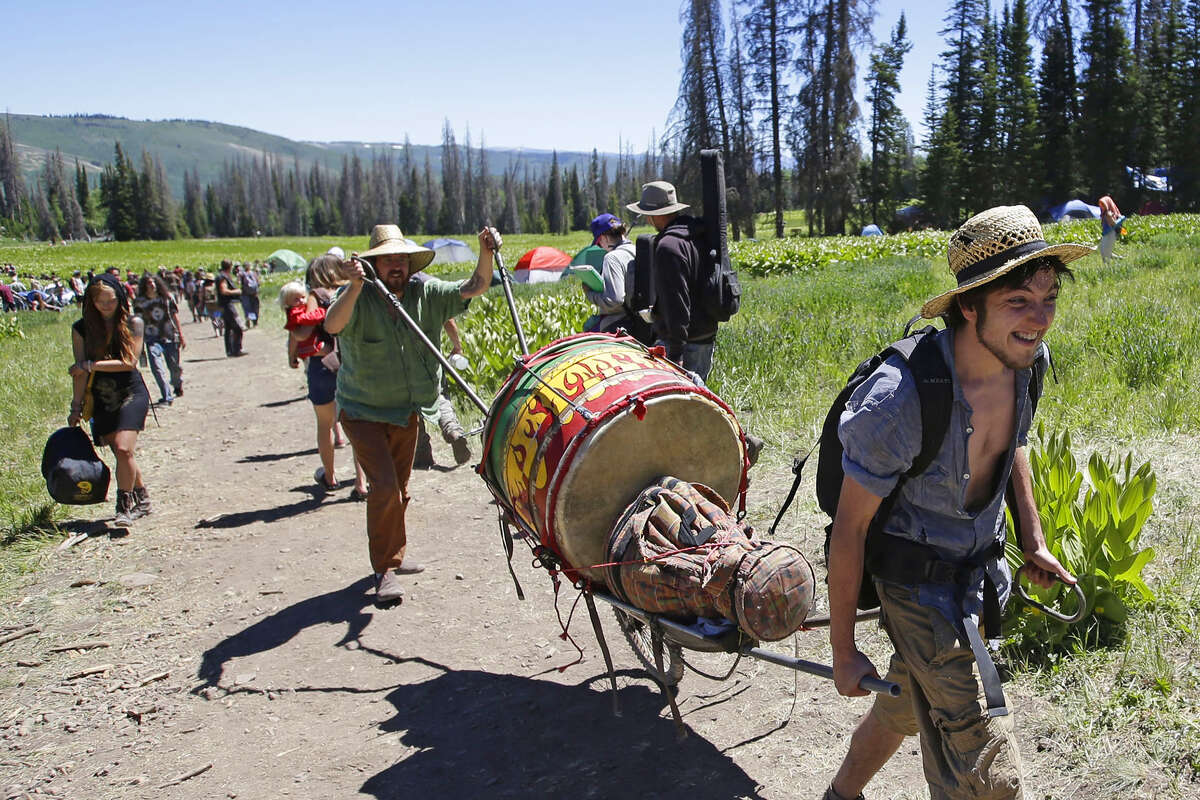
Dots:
pixel 590 421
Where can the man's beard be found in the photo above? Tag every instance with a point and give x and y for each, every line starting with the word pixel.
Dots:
pixel 1004 358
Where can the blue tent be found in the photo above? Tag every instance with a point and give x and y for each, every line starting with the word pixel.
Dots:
pixel 1074 209
pixel 449 251
pixel 871 230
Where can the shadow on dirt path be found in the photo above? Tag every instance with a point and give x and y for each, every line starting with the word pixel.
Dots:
pixel 481 734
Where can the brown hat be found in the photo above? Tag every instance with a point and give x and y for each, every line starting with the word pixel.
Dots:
pixel 658 198
pixel 386 239
pixel 992 243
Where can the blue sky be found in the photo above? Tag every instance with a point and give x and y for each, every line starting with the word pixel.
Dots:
pixel 529 73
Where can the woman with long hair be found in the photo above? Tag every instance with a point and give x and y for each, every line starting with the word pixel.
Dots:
pixel 163 335
pixel 107 342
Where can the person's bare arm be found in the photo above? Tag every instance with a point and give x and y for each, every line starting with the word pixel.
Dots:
pixel 451 328
pixel 338 315
pixel 847 549
pixel 79 379
pixel 481 279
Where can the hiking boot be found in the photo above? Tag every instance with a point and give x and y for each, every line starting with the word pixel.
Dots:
pixel 125 505
pixel 388 590
pixel 462 450
pixel 754 446
pixel 141 503
pixel 424 455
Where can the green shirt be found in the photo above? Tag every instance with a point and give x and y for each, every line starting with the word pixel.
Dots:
pixel 387 374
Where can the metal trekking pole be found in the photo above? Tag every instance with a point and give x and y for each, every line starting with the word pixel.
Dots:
pixel 506 282
pixel 372 277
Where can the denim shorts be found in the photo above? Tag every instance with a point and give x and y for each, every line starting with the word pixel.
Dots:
pixel 322 383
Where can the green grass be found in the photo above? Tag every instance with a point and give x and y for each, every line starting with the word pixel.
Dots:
pixel 1121 713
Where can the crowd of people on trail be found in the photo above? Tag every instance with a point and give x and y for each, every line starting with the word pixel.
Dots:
pixel 926 534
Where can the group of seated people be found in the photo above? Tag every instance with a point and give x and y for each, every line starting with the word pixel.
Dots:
pixel 37 293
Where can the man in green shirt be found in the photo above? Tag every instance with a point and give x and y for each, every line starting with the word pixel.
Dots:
pixel 388 377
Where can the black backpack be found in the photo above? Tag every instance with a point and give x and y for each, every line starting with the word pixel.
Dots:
pixel 935 389
pixel 74 474
pixel 720 291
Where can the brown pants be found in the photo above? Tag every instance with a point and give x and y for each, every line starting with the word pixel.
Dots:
pixel 385 453
pixel 965 753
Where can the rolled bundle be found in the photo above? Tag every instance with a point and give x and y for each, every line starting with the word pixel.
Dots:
pixel 678 551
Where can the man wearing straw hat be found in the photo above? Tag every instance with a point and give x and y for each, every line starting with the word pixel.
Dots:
pixel 387 379
pixel 1008 279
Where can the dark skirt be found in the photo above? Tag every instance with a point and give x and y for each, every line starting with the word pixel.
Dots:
pixel 120 402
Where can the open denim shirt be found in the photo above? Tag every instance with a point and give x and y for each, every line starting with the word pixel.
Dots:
pixel 880 431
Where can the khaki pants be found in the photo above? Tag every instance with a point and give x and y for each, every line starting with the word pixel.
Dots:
pixel 965 753
pixel 385 453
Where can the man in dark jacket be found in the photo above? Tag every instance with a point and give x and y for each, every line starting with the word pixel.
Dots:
pixel 681 324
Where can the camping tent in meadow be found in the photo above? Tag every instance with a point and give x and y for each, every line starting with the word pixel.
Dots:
pixel 449 251
pixel 1074 209
pixel 871 230
pixel 286 261
pixel 541 265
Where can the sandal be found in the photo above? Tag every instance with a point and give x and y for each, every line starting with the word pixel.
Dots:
pixel 355 494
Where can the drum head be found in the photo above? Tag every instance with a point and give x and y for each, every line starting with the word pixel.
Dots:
pixel 685 435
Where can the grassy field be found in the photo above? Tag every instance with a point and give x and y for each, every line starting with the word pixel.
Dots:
pixel 1126 347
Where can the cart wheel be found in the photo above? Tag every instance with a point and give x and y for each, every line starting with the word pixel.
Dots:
pixel 638 634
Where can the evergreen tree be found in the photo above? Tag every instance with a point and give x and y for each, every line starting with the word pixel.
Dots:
pixel 12 185
pixel 698 118
pixel 1018 112
pixel 118 195
pixel 556 217
pixel 741 167
pixel 770 26
pixel 1105 126
pixel 888 126
pixel 984 149
pixel 941 187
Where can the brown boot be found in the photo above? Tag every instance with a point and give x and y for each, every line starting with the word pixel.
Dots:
pixel 125 505
pixel 141 505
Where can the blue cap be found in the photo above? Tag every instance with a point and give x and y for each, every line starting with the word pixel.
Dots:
pixel 603 224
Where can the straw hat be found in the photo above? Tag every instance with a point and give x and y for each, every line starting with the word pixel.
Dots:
pixel 993 243
pixel 658 198
pixel 386 239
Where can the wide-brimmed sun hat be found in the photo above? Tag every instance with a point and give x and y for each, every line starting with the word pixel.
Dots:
pixel 387 239
pixel 992 243
pixel 658 197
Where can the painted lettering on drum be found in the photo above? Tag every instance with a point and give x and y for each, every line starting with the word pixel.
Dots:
pixel 525 475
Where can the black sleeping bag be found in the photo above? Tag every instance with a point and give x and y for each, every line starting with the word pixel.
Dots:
pixel 74 473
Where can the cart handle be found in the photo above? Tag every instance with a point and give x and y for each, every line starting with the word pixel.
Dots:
pixel 1080 611
pixel 822 670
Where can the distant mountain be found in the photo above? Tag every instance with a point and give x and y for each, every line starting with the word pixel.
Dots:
pixel 186 144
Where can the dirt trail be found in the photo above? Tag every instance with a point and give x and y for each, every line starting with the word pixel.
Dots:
pixel 241 645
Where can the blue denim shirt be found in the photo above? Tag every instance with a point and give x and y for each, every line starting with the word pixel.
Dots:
pixel 880 431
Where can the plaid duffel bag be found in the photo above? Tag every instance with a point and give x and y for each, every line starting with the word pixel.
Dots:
pixel 677 550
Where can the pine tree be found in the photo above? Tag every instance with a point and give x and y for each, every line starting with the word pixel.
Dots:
pixel 742 167
pixel 770 26
pixel 698 118
pixel 1018 112
pixel 1104 125
pixel 556 217
pixel 887 128
pixel 985 148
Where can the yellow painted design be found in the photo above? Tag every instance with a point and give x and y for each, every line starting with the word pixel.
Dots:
pixel 580 381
